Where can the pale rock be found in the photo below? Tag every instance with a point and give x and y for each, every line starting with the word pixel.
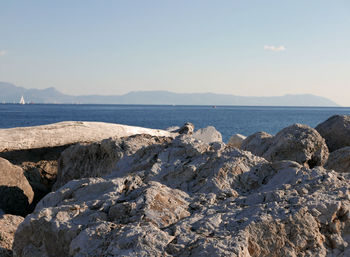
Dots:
pixel 67 133
pixel 208 135
pixel 257 143
pixel 336 131
pixel 15 192
pixel 37 149
pixel 8 227
pixel 236 140
pixel 339 160
pixel 299 143
pixel 188 198
pixel 186 129
pixel 98 159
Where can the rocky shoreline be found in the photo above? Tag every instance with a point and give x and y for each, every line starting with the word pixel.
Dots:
pixel 98 189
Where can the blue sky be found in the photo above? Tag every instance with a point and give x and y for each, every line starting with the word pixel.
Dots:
pixel 113 47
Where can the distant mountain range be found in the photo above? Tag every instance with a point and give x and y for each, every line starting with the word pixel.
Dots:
pixel 12 94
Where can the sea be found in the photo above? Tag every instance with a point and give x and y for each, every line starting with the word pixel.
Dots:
pixel 229 120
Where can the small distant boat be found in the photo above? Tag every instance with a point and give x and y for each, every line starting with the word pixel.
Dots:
pixel 214 106
pixel 22 100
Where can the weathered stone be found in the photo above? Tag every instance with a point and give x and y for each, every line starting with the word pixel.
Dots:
pixel 37 149
pixel 188 198
pixel 98 159
pixel 8 227
pixel 339 160
pixel 336 131
pixel 208 135
pixel 67 133
pixel 299 143
pixel 257 143
pixel 15 192
pixel 186 129
pixel 236 140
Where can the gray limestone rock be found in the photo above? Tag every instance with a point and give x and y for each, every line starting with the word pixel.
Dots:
pixel 236 140
pixel 339 160
pixel 336 131
pixel 189 198
pixel 258 143
pixel 299 143
pixel 186 129
pixel 98 159
pixel 208 135
pixel 68 133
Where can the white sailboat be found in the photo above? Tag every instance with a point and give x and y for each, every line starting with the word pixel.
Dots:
pixel 22 100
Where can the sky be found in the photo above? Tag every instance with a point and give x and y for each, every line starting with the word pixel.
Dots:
pixel 246 47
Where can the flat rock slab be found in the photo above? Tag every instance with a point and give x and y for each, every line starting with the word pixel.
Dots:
pixel 67 133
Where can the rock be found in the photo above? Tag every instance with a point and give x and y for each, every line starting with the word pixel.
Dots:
pixel 186 129
pixel 8 227
pixel 15 192
pixel 189 198
pixel 257 143
pixel 339 160
pixel 208 135
pixel 299 143
pixel 98 159
pixel 336 131
pixel 173 129
pixel 67 133
pixel 37 149
pixel 236 140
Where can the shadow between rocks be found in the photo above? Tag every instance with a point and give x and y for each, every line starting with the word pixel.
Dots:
pixel 14 201
pixel 39 166
pixel 5 252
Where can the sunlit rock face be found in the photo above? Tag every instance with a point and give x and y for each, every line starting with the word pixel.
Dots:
pixel 336 131
pixel 299 143
pixel 184 197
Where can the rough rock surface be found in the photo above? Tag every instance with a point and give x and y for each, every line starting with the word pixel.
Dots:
pixel 8 227
pixel 236 140
pixel 258 143
pixel 339 160
pixel 299 143
pixel 67 133
pixel 188 198
pixel 37 149
pixel 186 129
pixel 16 193
pixel 99 158
pixel 208 135
pixel 336 131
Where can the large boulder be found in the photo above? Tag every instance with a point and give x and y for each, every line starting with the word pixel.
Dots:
pixel 299 143
pixel 67 133
pixel 16 194
pixel 37 149
pixel 8 227
pixel 98 159
pixel 336 131
pixel 258 143
pixel 236 140
pixel 208 135
pixel 339 160
pixel 188 198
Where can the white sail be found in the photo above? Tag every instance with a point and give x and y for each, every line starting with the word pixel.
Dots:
pixel 22 100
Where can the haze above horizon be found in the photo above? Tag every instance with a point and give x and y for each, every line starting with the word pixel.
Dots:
pixel 249 48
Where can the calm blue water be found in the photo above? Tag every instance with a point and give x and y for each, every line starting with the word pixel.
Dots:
pixel 227 119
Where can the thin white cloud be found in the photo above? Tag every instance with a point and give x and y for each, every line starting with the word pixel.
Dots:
pixel 274 48
pixel 2 52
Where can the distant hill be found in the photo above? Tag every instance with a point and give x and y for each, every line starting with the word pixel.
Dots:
pixel 12 94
